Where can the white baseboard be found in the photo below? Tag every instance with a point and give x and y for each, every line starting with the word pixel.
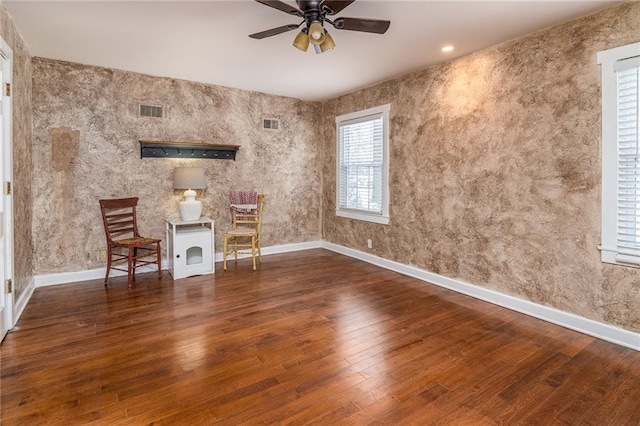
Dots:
pixel 593 328
pixel 94 274
pixel 284 248
pixel 22 302
pixel 86 275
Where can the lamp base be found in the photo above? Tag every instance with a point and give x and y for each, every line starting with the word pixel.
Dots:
pixel 190 208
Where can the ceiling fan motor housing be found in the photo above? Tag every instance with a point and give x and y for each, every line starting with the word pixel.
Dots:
pixel 309 5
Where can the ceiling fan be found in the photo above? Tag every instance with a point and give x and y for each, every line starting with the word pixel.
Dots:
pixel 314 14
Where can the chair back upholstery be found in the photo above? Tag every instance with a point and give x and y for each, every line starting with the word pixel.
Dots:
pixel 119 218
pixel 249 219
pixel 243 200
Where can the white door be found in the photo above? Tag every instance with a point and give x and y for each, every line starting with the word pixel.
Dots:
pixel 6 226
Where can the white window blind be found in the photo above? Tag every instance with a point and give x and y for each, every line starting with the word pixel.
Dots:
pixel 628 150
pixel 361 161
pixel 362 165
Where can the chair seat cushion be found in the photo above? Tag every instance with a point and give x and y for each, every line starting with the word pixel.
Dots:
pixel 136 241
pixel 244 208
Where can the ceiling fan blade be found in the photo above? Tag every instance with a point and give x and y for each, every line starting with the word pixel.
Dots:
pixel 280 5
pixel 360 24
pixel 274 31
pixel 335 6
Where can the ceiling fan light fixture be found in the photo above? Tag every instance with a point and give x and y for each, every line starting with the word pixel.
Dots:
pixel 328 44
pixel 314 14
pixel 301 41
pixel 316 33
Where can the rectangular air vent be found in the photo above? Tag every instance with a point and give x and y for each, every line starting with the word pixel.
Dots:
pixel 270 123
pixel 150 111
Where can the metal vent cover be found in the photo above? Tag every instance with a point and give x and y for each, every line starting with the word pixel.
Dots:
pixel 154 111
pixel 270 123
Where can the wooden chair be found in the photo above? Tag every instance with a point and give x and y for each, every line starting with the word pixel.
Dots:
pixel 244 235
pixel 123 240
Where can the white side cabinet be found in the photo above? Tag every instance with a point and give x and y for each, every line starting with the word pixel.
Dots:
pixel 190 247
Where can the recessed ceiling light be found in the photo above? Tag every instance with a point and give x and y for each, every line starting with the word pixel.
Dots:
pixel 447 48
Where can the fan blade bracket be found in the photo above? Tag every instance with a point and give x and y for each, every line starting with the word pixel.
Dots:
pixel 333 7
pixel 376 26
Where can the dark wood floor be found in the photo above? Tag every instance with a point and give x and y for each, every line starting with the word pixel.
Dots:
pixel 311 337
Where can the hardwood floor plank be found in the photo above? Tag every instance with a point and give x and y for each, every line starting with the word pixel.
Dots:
pixel 311 337
pixel 525 392
pixel 613 392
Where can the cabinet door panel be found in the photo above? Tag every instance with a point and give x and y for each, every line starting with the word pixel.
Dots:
pixel 193 254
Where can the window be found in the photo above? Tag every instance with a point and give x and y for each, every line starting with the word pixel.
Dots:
pixel 362 176
pixel 621 154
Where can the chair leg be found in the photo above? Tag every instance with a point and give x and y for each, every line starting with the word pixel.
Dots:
pixel 129 268
pixel 106 277
pixel 258 246
pixel 235 249
pixel 159 258
pixel 224 253
pixel 253 251
pixel 135 261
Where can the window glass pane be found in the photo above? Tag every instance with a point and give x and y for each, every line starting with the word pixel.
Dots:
pixel 628 176
pixel 361 153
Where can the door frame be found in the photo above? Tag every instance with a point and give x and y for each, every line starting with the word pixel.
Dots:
pixel 8 317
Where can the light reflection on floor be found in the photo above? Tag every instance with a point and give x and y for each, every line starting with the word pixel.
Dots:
pixel 359 331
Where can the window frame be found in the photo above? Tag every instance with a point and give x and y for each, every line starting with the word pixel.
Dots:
pixel 610 252
pixel 364 215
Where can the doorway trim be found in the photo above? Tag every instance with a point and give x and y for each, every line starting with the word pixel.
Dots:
pixel 8 292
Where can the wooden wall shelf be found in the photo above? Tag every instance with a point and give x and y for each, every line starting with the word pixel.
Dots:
pixel 166 149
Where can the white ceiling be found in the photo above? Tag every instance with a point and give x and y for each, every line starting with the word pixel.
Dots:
pixel 207 41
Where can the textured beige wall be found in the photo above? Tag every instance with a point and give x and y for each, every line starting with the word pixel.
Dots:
pixel 90 115
pixel 22 157
pixel 495 170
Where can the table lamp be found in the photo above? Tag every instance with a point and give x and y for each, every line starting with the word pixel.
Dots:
pixel 189 178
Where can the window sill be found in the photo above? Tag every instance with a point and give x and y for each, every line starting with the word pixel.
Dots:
pixel 367 217
pixel 614 257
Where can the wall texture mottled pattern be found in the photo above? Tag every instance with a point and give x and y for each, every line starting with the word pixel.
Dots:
pixel 22 156
pixel 86 132
pixel 495 164
pixel 495 170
